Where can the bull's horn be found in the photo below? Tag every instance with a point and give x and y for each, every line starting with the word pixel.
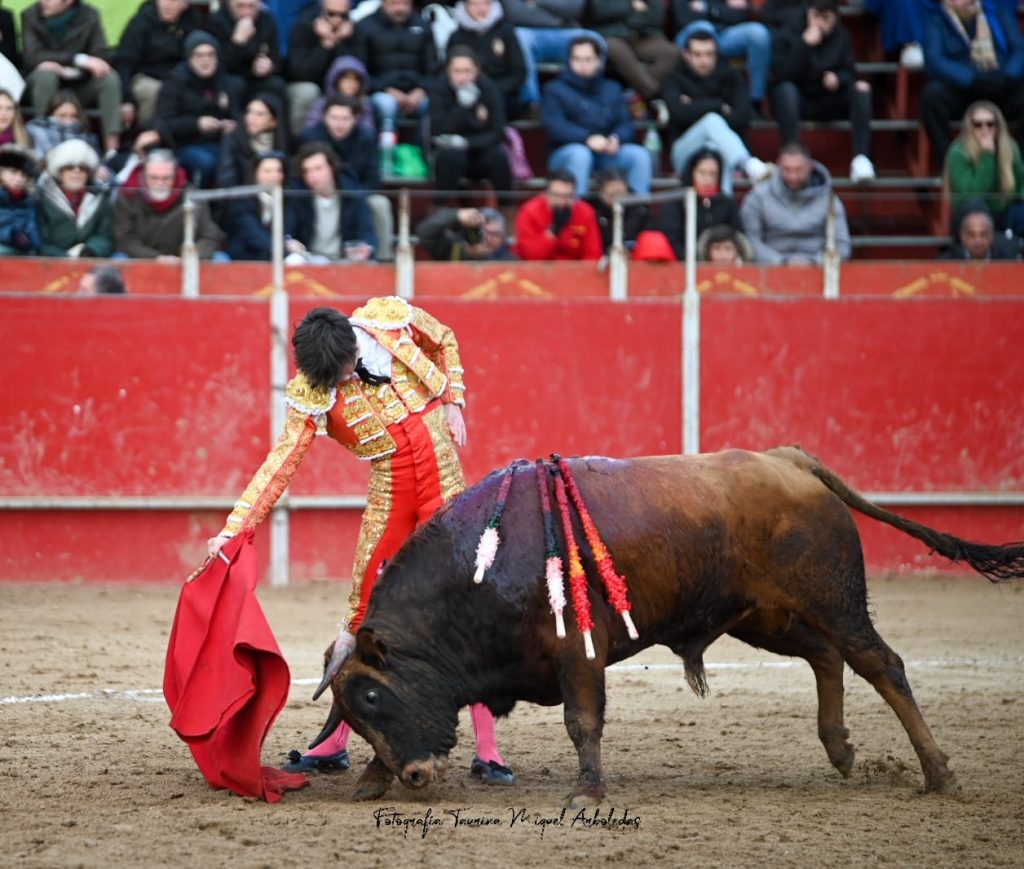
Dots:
pixel 333 720
pixel 338 656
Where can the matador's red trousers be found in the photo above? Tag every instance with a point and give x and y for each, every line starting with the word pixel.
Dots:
pixel 406 488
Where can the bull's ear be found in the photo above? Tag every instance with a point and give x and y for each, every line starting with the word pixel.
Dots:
pixel 371 649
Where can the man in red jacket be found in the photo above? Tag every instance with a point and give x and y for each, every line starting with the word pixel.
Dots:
pixel 556 225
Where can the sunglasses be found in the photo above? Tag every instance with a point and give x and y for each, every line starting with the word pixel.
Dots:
pixel 77 167
pixel 342 15
pixel 986 123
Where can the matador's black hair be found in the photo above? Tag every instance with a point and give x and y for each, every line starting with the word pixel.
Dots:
pixel 324 344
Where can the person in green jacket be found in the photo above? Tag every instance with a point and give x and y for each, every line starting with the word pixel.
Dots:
pixel 75 218
pixel 984 162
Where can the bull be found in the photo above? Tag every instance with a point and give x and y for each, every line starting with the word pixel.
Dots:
pixel 760 546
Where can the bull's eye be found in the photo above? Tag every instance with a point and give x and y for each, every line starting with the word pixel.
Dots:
pixel 371 698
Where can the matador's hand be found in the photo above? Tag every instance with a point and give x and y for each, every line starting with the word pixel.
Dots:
pixel 456 424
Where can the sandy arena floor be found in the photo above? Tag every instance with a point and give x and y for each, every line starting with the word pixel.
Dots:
pixel 739 779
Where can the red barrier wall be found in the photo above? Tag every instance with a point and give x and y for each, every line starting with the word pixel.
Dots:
pixel 171 398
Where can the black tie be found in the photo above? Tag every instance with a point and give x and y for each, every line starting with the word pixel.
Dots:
pixel 367 378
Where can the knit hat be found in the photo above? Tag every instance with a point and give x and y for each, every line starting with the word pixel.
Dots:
pixel 653 246
pixel 72 152
pixel 197 38
pixel 16 157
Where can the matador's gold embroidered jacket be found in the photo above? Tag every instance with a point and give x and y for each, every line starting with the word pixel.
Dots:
pixel 425 365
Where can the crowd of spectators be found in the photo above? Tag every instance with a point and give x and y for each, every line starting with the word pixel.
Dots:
pixel 223 98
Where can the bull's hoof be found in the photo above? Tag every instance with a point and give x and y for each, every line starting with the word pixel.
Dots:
pixel 374 782
pixel 944 783
pixel 586 797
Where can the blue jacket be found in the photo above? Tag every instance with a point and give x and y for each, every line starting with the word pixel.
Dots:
pixel 300 216
pixel 18 216
pixel 948 55
pixel 573 108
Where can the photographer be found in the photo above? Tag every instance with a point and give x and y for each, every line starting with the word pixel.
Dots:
pixel 464 234
pixel 555 225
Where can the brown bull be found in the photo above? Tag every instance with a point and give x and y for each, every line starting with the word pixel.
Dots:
pixel 760 546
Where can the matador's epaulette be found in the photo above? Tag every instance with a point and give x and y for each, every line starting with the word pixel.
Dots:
pixel 385 312
pixel 313 401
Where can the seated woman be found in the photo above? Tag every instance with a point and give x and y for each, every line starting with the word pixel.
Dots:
pixel 263 129
pixel 467 126
pixel 611 184
pixel 74 220
pixel 65 119
pixel 714 208
pixel 984 162
pixel 484 30
pixel 250 237
pixel 12 125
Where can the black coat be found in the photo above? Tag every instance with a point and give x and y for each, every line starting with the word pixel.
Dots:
pixel 723 86
pixel 805 65
pixel 249 238
pixel 396 56
pixel 300 215
pixel 634 220
pixel 358 153
pixel 9 38
pixel 308 60
pixel 83 36
pixel 483 123
pixel 711 211
pixel 150 46
pixel 184 98
pixel 499 53
pixel 237 59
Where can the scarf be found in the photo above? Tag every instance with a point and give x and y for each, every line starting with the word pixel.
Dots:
pixel 262 142
pixel 466 22
pixel 983 51
pixel 707 192
pixel 75 200
pixel 59 25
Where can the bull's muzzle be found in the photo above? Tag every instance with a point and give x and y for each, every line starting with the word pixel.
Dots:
pixel 420 773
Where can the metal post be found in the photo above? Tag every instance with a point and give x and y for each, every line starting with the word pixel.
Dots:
pixel 404 271
pixel 277 238
pixel 691 333
pixel 830 260
pixel 189 254
pixel 278 381
pixel 618 268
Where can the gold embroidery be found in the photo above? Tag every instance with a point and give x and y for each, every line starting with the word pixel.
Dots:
pixel 312 401
pixel 384 312
pixel 371 529
pixel 274 474
pixel 449 469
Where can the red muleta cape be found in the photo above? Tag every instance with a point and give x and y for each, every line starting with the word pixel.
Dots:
pixel 225 679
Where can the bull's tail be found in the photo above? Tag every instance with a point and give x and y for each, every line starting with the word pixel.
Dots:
pixel 996 563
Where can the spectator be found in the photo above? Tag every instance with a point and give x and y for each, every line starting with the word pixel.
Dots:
pixel 555 225
pixel 250 237
pixel 356 149
pixel 102 280
pixel 545 28
pixel 781 13
pixel 786 218
pixel 247 34
pixel 464 234
pixel 74 220
pixel 985 162
pixel 9 39
pixel 708 108
pixel 714 208
pixel 65 48
pixel 467 127
pixel 611 185
pixel 976 238
pixel 347 78
pixel 19 229
pixel 814 75
pixel 197 108
pixel 588 125
pixel 724 245
pixel 321 35
pixel 151 46
pixel 973 51
pixel 397 48
pixel 12 125
pixel 262 129
pixel 637 49
pixel 902 23
pixel 737 35
pixel 329 224
pixel 149 215
pixel 486 31
pixel 65 118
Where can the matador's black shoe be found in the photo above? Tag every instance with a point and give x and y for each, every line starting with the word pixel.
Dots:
pixel 329 763
pixel 490 772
